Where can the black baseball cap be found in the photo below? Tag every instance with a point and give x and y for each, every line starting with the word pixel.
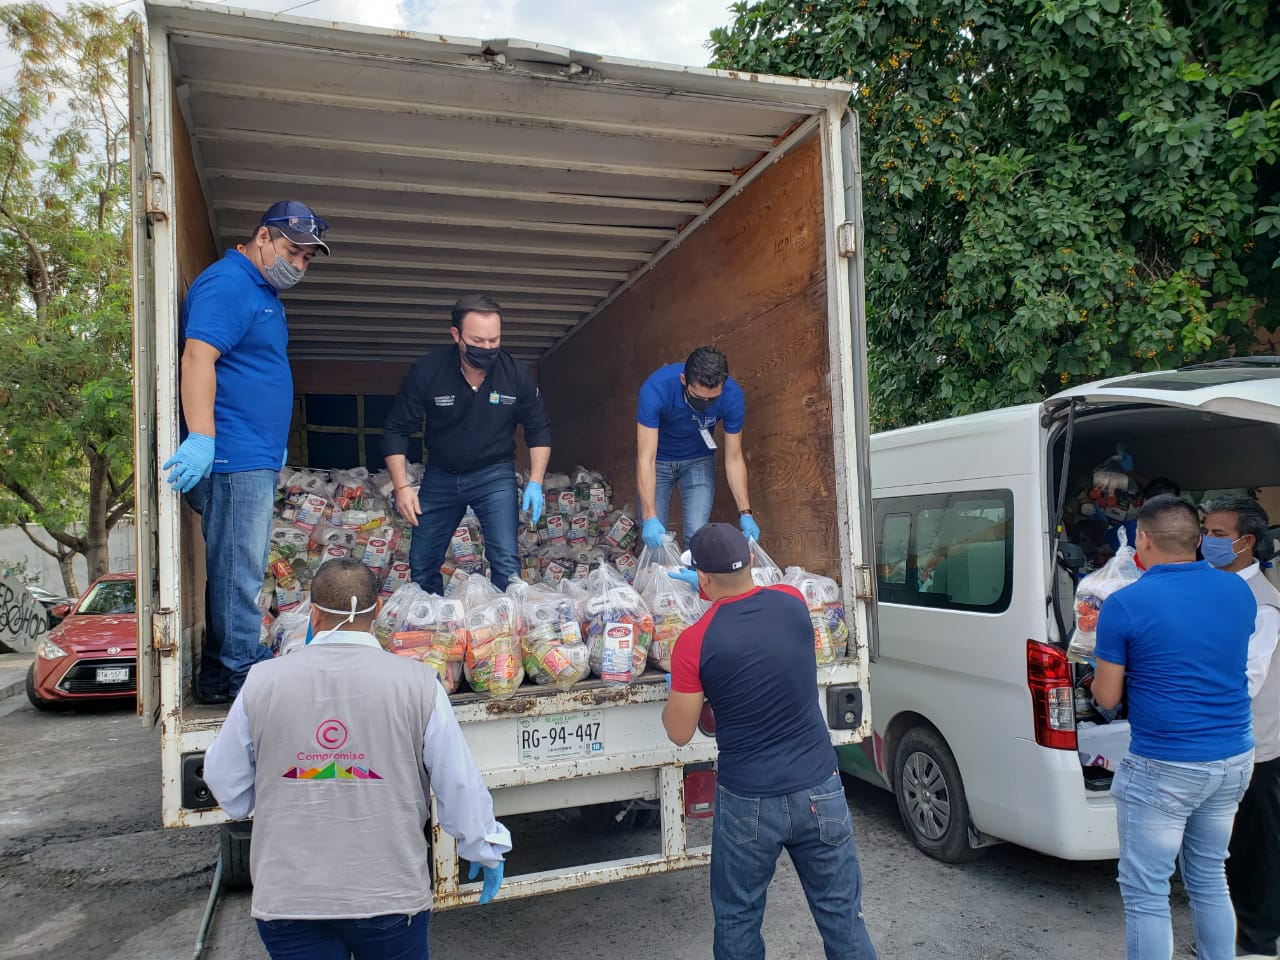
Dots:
pixel 298 222
pixel 718 548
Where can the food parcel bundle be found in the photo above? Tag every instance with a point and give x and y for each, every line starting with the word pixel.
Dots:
pixel 289 631
pixel 493 662
pixel 592 492
pixel 389 617
pixel 432 629
pixel 1117 573
pixel 551 641
pixel 656 562
pixel 764 571
pixel 826 612
pixel 675 607
pixel 619 627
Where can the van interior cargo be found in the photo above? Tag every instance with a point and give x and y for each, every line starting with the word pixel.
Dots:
pixel 1207 455
pixel 622 214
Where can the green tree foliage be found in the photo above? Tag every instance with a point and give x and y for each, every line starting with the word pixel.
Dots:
pixel 65 383
pixel 1055 190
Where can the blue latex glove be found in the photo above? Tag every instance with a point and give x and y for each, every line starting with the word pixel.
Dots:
pixel 533 501
pixel 191 462
pixel 687 575
pixel 492 880
pixel 653 532
pixel 284 459
pixel 750 529
pixel 668 681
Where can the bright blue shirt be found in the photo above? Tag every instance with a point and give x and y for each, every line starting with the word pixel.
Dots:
pixel 232 308
pixel 1182 635
pixel 662 405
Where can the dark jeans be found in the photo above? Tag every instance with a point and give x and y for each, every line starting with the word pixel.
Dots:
pixel 391 937
pixel 1253 869
pixel 816 829
pixel 444 497
pixel 235 517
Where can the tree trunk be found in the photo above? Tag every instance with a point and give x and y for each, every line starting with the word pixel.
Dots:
pixel 96 554
pixel 67 565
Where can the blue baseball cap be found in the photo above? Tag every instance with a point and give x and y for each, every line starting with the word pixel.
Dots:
pixel 298 222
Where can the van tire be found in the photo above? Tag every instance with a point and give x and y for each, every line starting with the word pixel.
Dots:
pixel 930 795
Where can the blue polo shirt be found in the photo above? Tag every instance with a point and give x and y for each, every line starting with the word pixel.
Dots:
pixel 753 659
pixel 1182 635
pixel 232 308
pixel 662 405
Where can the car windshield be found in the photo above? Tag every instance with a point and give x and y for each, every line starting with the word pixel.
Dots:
pixel 110 596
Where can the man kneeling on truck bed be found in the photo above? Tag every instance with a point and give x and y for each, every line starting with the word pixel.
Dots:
pixel 237 401
pixel 335 749
pixel 472 397
pixel 751 656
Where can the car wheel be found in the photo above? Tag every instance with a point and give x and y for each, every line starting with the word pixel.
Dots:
pixel 34 697
pixel 930 794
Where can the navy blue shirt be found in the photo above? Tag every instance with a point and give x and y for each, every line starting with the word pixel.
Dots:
pixel 466 429
pixel 232 308
pixel 753 658
pixel 662 405
pixel 1182 635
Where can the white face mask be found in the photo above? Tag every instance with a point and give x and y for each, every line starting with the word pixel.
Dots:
pixel 351 616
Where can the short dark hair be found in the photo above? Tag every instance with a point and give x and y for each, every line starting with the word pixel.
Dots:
pixel 1251 520
pixel 473 303
pixel 340 579
pixel 707 367
pixel 1160 485
pixel 1171 522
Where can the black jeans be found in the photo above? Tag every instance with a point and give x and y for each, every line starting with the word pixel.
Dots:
pixel 1253 868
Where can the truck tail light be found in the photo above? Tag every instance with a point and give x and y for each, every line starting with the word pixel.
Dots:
pixel 699 792
pixel 1052 695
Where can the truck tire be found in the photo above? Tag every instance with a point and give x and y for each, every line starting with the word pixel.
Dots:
pixel 34 697
pixel 235 840
pixel 930 794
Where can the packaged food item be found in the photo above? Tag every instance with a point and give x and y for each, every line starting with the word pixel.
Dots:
pixel 620 529
pixel 432 629
pixel 826 611
pixel 557 530
pixel 288 540
pixel 493 662
pixel 349 487
pixel 764 571
pixel 619 627
pixel 389 617
pixel 1116 574
pixel 397 576
pixel 551 640
pixel 311 511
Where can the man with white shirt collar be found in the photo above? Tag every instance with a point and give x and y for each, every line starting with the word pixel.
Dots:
pixel 335 749
pixel 1235 539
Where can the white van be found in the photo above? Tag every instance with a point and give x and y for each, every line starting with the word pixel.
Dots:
pixel 975 723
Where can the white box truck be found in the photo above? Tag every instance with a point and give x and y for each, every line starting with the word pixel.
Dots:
pixel 622 212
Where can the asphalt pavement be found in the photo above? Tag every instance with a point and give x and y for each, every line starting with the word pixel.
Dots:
pixel 87 871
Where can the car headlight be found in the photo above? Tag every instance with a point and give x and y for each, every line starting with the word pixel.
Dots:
pixel 46 649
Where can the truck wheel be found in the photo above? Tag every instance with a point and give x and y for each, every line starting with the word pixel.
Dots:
pixel 34 697
pixel 930 794
pixel 235 840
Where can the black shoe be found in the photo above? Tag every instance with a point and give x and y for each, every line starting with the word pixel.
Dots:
pixel 221 696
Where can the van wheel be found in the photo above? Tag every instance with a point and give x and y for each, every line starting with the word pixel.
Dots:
pixel 926 782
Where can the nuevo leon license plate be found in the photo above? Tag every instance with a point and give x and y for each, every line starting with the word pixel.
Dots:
pixel 113 675
pixel 560 736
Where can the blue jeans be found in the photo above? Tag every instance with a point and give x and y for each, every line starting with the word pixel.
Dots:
pixel 444 497
pixel 697 481
pixel 816 828
pixel 1169 811
pixel 235 517
pixel 391 937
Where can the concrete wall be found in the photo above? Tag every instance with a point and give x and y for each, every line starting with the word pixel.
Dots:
pixel 16 548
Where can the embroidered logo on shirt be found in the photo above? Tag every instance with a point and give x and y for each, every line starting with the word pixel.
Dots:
pixel 507 400
pixel 495 397
pixel 446 401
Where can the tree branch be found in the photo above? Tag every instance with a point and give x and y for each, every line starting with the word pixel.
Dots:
pixel 58 555
pixel 118 511
pixel 43 294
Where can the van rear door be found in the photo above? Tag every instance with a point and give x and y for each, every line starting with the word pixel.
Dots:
pixel 1247 388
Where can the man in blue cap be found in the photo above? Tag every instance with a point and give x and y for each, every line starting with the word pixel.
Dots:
pixel 237 401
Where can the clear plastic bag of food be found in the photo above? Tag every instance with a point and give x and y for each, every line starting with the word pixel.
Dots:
pixel 431 629
pixel 764 571
pixel 675 607
pixel 493 662
pixel 826 611
pixel 289 631
pixel 391 615
pixel 1116 574
pixel 656 562
pixel 553 648
pixel 619 627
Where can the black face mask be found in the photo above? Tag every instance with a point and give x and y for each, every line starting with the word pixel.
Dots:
pixel 482 358
pixel 699 404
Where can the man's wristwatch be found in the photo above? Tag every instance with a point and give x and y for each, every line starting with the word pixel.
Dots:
pixel 745 513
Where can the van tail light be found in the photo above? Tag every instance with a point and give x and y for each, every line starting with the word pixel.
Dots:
pixel 699 792
pixel 1052 695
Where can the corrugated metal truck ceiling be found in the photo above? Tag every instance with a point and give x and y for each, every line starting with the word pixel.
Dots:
pixel 543 176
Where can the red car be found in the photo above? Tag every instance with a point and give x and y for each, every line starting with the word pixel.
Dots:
pixel 92 654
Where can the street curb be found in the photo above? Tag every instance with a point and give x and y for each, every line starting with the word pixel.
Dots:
pixel 13 689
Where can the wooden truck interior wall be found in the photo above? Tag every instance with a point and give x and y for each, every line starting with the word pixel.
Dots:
pixel 751 281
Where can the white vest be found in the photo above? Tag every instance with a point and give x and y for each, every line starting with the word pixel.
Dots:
pixel 1266 704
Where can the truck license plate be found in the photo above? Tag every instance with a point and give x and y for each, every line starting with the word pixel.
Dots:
pixel 113 675
pixel 560 736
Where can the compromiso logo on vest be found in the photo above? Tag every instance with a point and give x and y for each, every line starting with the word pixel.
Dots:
pixel 331 735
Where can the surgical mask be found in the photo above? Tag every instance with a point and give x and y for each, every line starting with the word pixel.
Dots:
pixel 351 615
pixel 482 358
pixel 282 274
pixel 699 404
pixel 1219 551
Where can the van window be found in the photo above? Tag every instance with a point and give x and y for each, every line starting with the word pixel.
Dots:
pixel 948 550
